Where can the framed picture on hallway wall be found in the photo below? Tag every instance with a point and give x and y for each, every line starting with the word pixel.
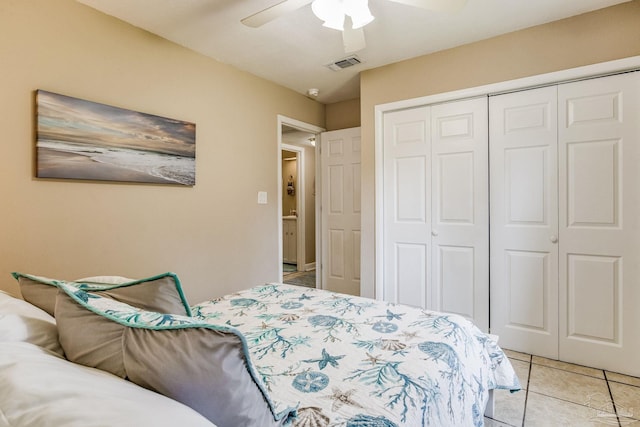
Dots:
pixel 79 139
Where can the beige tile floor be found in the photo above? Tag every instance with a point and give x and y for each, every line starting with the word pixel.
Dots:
pixel 562 394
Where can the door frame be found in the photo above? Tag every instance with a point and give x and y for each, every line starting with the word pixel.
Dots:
pixel 301 254
pixel 316 130
pixel 374 289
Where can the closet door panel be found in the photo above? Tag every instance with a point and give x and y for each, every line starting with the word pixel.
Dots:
pixel 411 268
pixel 456 188
pixel 527 279
pixel 599 147
pixel 525 185
pixel 407 207
pixel 593 178
pixel 524 250
pixel 593 286
pixel 456 282
pixel 460 216
pixel 435 208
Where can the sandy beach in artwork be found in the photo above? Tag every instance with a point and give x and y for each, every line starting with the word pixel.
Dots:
pixel 84 140
pixel 61 164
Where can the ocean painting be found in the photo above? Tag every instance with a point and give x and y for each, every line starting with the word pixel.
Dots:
pixel 78 139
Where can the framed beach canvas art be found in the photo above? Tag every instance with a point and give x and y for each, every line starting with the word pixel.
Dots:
pixel 79 139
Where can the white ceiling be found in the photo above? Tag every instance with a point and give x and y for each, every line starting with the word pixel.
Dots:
pixel 294 50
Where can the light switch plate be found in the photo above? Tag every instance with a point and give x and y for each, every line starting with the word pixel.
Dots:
pixel 262 197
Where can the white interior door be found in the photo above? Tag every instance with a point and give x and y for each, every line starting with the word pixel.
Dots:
pixel 524 225
pixel 460 209
pixel 599 137
pixel 340 171
pixel 435 232
pixel 407 207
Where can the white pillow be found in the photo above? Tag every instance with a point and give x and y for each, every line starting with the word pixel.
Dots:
pixel 21 321
pixel 111 280
pixel 37 389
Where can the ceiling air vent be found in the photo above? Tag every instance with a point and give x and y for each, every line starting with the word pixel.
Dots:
pixel 341 64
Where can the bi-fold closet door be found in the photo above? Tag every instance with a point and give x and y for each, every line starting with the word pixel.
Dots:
pixel 523 155
pixel 435 189
pixel 564 168
pixel 565 234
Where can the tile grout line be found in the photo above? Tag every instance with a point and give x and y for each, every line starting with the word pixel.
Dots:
pixel 531 356
pixel 569 370
pixel 604 378
pixel 565 399
pixel 613 403
pixel 526 395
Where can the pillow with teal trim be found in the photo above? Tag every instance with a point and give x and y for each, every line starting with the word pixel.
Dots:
pixel 113 280
pixel 162 293
pixel 204 366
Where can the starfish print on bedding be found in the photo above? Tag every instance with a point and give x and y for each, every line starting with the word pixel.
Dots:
pixel 410 335
pixel 373 359
pixel 391 316
pixel 341 398
pixel 326 359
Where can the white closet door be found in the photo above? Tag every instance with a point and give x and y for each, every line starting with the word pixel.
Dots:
pixel 340 169
pixel 599 138
pixel 407 207
pixel 460 211
pixel 435 208
pixel 524 228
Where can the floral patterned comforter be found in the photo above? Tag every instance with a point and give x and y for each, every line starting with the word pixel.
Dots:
pixel 351 361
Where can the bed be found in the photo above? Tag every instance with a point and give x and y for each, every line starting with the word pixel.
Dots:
pixel 272 355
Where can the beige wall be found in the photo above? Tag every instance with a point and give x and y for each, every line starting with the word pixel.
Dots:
pixel 214 236
pixel 599 36
pixel 343 115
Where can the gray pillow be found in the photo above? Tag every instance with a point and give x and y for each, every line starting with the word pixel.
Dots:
pixel 162 293
pixel 206 367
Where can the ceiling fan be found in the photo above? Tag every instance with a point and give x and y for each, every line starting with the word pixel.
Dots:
pixel 334 13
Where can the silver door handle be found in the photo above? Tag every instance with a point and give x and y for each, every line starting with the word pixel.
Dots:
pixel 434 233
pixel 554 239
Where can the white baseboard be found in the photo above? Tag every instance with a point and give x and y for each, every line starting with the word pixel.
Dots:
pixel 310 267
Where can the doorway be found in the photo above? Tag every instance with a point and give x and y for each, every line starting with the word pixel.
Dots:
pixel 298 218
pixel 294 174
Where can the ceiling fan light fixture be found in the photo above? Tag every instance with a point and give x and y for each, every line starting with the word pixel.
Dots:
pixel 333 12
pixel 335 22
pixel 329 11
pixel 359 12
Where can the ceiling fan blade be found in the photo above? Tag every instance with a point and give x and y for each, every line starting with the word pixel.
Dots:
pixel 353 39
pixel 277 10
pixel 440 5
